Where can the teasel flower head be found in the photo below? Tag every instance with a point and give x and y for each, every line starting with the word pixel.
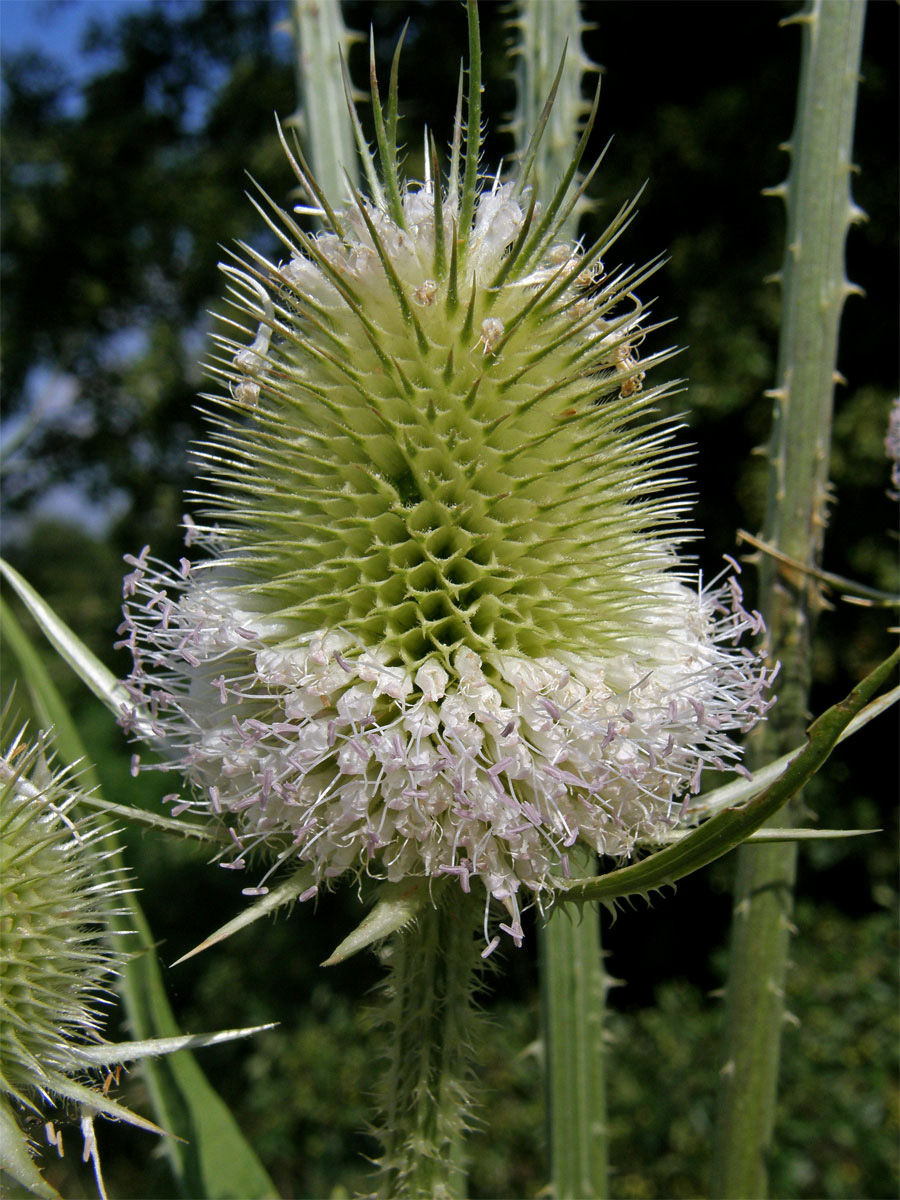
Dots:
pixel 435 622
pixel 63 897
pixel 58 889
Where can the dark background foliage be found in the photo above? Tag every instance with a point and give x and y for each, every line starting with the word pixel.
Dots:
pixel 117 198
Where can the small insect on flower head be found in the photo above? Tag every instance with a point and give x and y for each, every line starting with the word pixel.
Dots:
pixel 438 625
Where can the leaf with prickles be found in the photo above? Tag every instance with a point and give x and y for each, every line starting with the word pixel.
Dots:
pixel 455 145
pixel 440 253
pixel 111 1054
pixel 781 834
pixel 393 94
pixel 473 127
pixel 556 213
pixel 362 146
pixel 308 180
pixel 452 302
pixel 176 826
pixel 61 1085
pixel 387 152
pixel 397 905
pixel 724 832
pixel 729 795
pixel 531 150
pixel 299 883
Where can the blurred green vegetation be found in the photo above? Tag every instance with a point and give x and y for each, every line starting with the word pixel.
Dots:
pixel 116 202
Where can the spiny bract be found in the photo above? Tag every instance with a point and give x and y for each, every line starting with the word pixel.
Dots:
pixel 439 625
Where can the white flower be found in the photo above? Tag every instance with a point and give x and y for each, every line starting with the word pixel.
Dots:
pixel 494 768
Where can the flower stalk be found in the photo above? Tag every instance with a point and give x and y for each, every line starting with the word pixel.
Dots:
pixel 820 210
pixel 573 994
pixel 431 1029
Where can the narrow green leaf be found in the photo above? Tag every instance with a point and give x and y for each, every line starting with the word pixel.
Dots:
pixel 740 790
pixel 365 154
pixel 397 905
pixel 537 133
pixel 309 181
pixel 784 834
pixel 440 251
pixel 69 646
pixel 173 825
pixel 110 1053
pixel 727 830
pixel 453 176
pixel 46 701
pixel 62 1085
pixel 473 126
pixel 393 95
pixel 298 883
pixel 386 151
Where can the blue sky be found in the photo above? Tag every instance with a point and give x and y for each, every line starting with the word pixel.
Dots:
pixel 56 28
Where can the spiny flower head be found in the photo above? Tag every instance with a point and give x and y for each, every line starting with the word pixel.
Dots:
pixel 57 891
pixel 438 625
pixel 60 890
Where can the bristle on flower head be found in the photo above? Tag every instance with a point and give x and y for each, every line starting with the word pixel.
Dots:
pixel 439 626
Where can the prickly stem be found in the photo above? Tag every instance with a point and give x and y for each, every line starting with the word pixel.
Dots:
pixel 320 37
pixel 431 1028
pixel 819 212
pixel 544 33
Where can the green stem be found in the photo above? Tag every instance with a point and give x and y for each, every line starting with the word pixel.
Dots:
pixel 573 986
pixel 320 37
pixel 815 286
pixel 545 33
pixel 431 1027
